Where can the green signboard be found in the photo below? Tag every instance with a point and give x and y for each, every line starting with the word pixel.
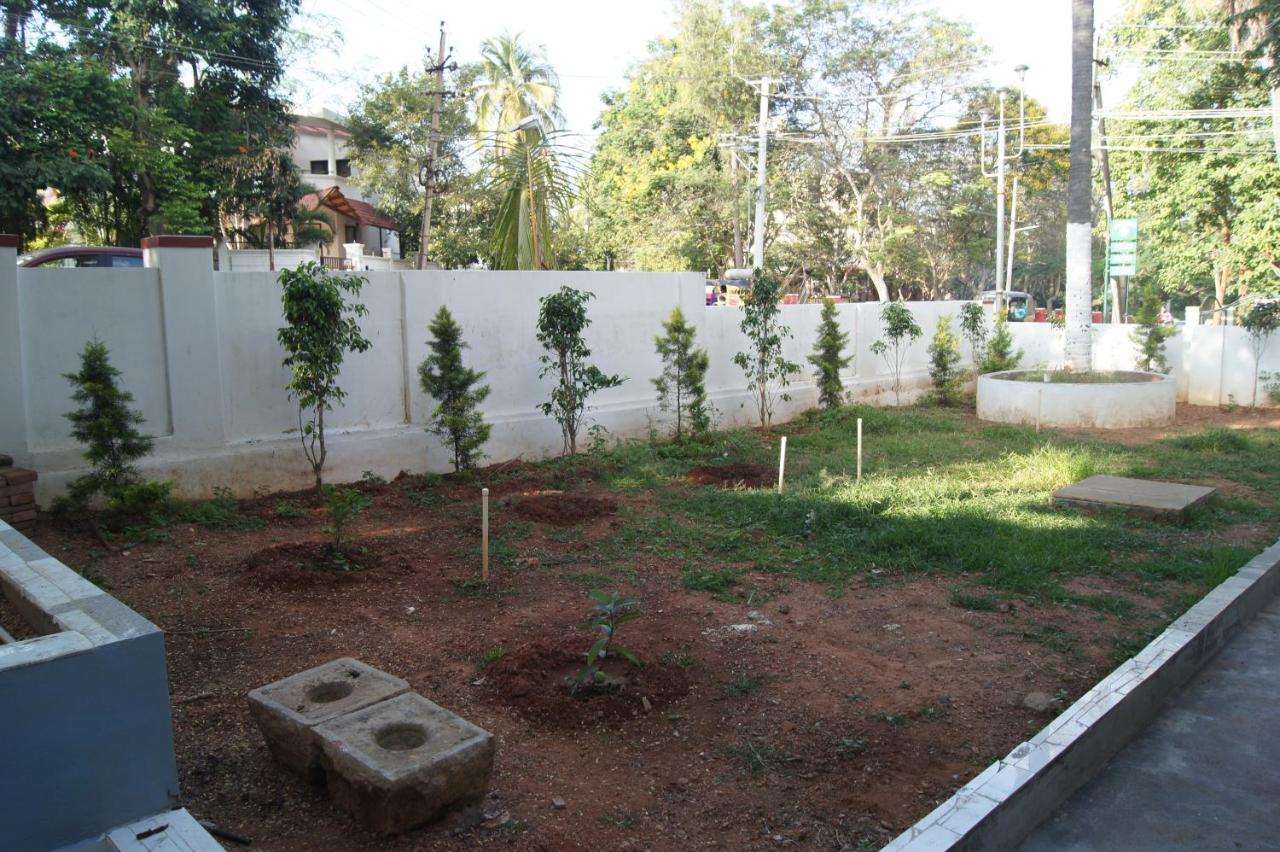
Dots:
pixel 1122 248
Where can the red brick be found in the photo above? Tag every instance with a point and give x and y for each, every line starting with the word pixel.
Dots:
pixel 19 517
pixel 22 499
pixel 18 476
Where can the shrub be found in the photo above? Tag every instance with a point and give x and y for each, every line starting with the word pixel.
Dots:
pixel 829 359
pixel 150 503
pixel 322 327
pixel 973 327
pixel 562 320
pixel 609 613
pixel 901 328
pixel 1261 322
pixel 456 418
pixel 343 505
pixel 1215 439
pixel 682 386
pixel 1000 354
pixel 1150 336
pixel 944 363
pixel 765 367
pixel 106 426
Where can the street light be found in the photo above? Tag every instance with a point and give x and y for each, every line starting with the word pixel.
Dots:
pixel 1001 158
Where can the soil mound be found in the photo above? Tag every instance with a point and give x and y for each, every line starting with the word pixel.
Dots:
pixel 304 564
pixel 564 510
pixel 735 475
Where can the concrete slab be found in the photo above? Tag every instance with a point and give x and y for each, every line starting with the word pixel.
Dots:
pixel 1204 776
pixel 173 831
pixel 405 762
pixel 1146 497
pixel 286 711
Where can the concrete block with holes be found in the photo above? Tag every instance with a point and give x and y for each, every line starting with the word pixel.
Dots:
pixel 287 711
pixel 405 762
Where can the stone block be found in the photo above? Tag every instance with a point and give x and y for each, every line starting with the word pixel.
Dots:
pixel 287 711
pixel 405 762
pixel 18 476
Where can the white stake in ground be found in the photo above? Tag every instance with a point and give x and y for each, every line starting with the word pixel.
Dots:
pixel 484 534
pixel 859 449
pixel 782 462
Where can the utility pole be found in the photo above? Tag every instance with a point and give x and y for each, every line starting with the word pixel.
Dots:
pixel 1013 235
pixel 757 238
pixel 427 175
pixel 737 209
pixel 1001 158
pixel 1104 166
pixel 1079 244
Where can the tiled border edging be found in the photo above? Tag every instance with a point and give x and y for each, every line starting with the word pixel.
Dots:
pixel 1000 807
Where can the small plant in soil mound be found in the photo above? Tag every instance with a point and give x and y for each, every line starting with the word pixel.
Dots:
pixel 343 505
pixel 610 612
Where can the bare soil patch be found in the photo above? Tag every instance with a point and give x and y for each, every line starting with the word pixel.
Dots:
pixel 562 509
pixel 735 475
pixel 1188 419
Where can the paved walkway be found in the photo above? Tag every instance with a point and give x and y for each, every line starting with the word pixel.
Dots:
pixel 1205 776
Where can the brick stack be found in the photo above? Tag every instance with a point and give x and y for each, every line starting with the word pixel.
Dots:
pixel 17 495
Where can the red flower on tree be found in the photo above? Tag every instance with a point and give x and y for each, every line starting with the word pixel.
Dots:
pixel 72 153
pixel 243 150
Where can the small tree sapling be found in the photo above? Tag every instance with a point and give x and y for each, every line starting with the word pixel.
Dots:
pixel 829 358
pixel 682 385
pixel 456 417
pixel 562 320
pixel 322 328
pixel 944 363
pixel 973 328
pixel 609 613
pixel 901 329
pixel 1150 335
pixel 343 505
pixel 766 369
pixel 1261 322
pixel 1000 354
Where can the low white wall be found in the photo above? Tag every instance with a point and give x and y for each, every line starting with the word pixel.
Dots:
pixel 198 349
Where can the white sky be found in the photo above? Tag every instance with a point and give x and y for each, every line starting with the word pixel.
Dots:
pixel 591 43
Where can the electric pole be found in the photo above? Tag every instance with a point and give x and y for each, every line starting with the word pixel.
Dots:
pixel 757 238
pixel 427 175
pixel 1001 159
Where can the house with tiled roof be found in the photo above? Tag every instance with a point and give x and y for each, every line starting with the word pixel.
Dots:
pixel 320 152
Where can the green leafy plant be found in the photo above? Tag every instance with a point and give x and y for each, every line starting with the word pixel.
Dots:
pixel 221 512
pixel 850 747
pixel 759 758
pixel 322 327
pixel 1261 322
pixel 742 685
pixel 562 320
pixel 681 386
pixel 1271 381
pixel 490 656
pixel 944 363
pixel 344 504
pixel 456 418
pixel 149 503
pixel 106 426
pixel 609 613
pixel 1000 354
pixel 829 358
pixel 973 328
pixel 1150 335
pixel 766 369
pixel 901 329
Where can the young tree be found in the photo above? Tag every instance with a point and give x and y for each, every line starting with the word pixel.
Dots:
pixel 973 327
pixel 1150 335
pixel 944 363
pixel 901 328
pixel 106 426
pixel 1261 322
pixel 562 320
pixel 682 385
pixel 829 358
pixel 322 328
pixel 457 418
pixel 766 368
pixel 1000 354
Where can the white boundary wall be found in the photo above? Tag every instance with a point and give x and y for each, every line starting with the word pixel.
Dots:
pixel 198 350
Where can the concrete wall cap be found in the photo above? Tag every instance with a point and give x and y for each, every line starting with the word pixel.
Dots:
pixel 9 241
pixel 176 241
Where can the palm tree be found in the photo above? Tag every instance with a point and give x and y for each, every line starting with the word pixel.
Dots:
pixel 532 185
pixel 516 82
pixel 1079 331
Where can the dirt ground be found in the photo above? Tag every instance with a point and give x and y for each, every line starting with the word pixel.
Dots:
pixel 805 720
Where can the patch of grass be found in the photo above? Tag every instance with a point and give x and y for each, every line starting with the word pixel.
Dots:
pixel 286 510
pixel 423 492
pixel 221 512
pixel 1214 439
pixel 742 685
pixel 893 720
pixel 490 656
pixel 934 711
pixel 975 601
pixel 714 580
pixel 622 821
pixel 850 747
pixel 757 758
pixel 590 580
pixel 1049 636
pixel 681 659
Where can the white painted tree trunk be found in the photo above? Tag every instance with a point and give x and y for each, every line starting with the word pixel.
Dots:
pixel 1079 313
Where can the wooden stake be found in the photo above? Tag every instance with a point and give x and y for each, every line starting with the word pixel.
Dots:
pixel 859 449
pixel 484 534
pixel 782 462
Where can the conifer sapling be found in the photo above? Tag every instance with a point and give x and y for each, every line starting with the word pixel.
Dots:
pixel 828 357
pixel 944 363
pixel 456 418
pixel 682 385
pixel 1150 336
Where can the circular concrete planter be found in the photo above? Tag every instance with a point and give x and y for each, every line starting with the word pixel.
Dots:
pixel 1133 399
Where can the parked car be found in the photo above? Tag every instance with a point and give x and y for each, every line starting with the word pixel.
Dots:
pixel 74 257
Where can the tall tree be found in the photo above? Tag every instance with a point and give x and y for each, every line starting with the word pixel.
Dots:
pixel 515 82
pixel 1079 332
